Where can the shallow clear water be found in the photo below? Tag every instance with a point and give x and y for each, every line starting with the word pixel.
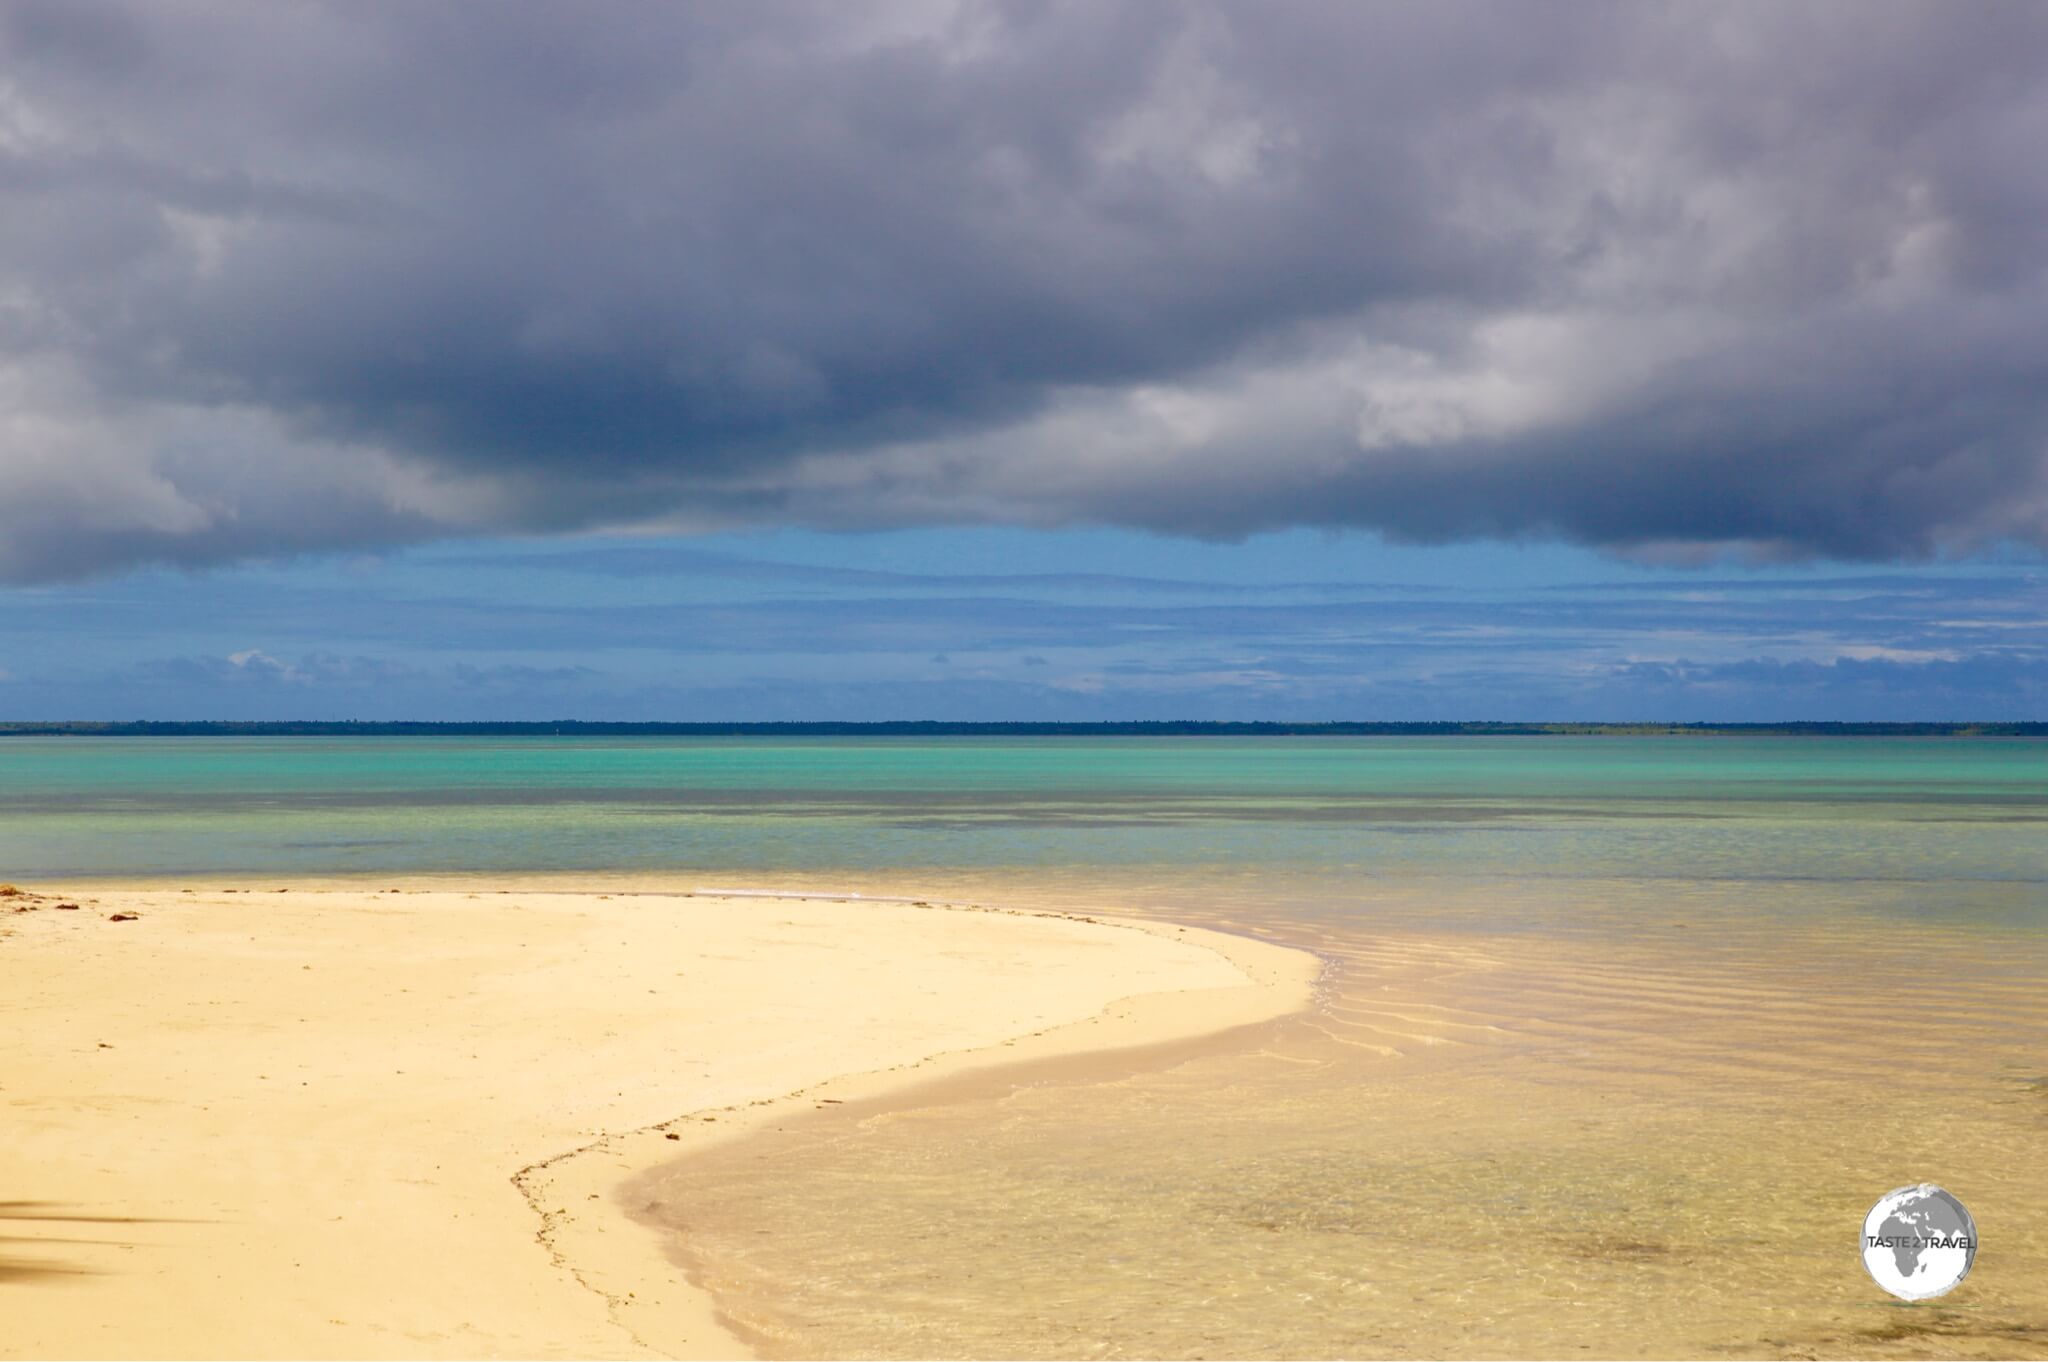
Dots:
pixel 1620 1038
pixel 1651 1131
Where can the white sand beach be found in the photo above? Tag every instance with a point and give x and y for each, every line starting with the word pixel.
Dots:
pixel 345 1121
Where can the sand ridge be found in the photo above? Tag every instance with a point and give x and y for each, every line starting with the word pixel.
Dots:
pixel 354 1122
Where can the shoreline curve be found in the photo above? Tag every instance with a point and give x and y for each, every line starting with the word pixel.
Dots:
pixel 288 1111
pixel 613 1178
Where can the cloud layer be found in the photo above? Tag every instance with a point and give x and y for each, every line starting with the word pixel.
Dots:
pixel 1668 281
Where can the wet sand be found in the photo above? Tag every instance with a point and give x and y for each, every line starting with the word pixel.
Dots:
pixel 324 1120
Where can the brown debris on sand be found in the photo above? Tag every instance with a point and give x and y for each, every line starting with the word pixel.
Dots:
pixel 24 901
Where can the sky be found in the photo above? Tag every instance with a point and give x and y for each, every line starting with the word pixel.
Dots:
pixel 999 360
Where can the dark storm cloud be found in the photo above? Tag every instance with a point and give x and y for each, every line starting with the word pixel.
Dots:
pixel 1665 280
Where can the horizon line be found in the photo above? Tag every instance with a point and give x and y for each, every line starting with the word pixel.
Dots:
pixel 1000 728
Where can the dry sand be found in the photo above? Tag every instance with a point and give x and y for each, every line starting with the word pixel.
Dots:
pixel 342 1122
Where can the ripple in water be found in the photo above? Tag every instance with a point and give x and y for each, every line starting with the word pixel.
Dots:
pixel 1650 1130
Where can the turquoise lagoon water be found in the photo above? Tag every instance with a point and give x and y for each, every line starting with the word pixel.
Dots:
pixel 1686 808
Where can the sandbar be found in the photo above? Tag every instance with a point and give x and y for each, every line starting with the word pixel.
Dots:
pixel 340 1120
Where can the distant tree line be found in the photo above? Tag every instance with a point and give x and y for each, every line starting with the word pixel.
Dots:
pixel 1166 728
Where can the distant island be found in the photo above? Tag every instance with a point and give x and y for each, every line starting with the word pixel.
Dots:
pixel 1165 728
